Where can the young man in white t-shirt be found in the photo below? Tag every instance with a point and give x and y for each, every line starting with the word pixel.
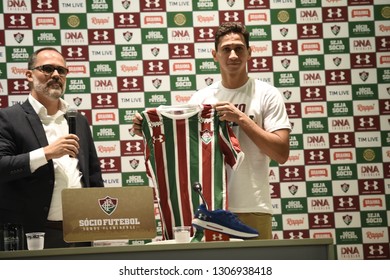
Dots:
pixel 260 122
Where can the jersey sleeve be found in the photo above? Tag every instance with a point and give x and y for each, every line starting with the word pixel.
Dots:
pixel 230 146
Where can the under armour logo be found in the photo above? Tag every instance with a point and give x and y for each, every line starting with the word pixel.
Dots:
pixel 294 172
pixel 20 86
pixel 150 3
pixel 374 186
pixel 253 2
pixel 104 163
pixel 323 219
pixel 183 50
pixel 365 59
pixel 334 12
pixel 284 46
pixel 217 236
pixel 133 83
pixel 130 147
pixel 376 249
pixel 123 19
pixel 387 105
pixel 341 138
pixel 159 139
pixel 42 3
pixel 368 121
pixel 75 51
pixel 97 35
pixel 312 92
pixel 384 42
pixel 107 99
pixel 158 66
pixel 337 76
pixel 319 155
pixel 256 63
pixel 203 33
pixel 296 236
pixel 312 29
pixel 20 19
pixel 291 109
pixel 231 16
pixel 346 202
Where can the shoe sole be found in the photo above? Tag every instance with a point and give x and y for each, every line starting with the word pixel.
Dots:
pixel 216 227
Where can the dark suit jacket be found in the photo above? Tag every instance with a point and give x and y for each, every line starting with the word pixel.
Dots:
pixel 24 196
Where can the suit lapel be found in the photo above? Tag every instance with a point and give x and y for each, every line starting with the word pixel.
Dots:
pixel 35 123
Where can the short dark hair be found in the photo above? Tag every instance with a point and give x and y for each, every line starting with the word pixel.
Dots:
pixel 231 27
pixel 32 59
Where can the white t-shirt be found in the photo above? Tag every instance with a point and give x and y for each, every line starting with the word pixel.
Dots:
pixel 248 187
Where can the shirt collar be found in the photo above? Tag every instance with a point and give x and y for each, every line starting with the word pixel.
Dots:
pixel 41 110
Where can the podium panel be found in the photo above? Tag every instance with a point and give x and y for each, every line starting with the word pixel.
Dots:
pixel 91 214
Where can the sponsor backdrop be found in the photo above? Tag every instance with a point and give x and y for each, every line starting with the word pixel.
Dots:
pixel 330 59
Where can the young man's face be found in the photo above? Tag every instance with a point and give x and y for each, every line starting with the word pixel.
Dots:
pixel 232 53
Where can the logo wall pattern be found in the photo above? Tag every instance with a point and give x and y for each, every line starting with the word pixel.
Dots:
pixel 330 59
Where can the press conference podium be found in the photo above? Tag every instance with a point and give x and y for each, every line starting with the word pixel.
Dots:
pixel 297 249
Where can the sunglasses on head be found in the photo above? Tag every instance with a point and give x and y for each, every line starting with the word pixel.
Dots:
pixel 48 69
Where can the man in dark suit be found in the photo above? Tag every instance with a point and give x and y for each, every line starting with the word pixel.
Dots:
pixel 38 155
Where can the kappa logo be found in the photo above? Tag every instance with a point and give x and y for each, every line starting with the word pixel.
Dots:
pixel 108 204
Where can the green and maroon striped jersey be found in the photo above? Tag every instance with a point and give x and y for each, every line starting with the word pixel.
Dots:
pixel 186 144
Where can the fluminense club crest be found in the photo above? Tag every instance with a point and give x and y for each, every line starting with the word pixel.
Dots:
pixel 77 101
pixel 364 76
pixel 206 136
pixel 157 83
pixel 128 36
pixel 230 2
pixel 285 63
pixel 155 51
pixel 344 187
pixel 335 29
pixel 347 219
pixel 337 61
pixel 209 81
pixel 284 31
pixel 287 94
pixel 293 189
pixel 19 37
pixel 126 4
pixel 134 163
pixel 108 204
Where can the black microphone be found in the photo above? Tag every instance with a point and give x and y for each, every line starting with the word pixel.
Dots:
pixel 72 113
pixel 197 187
